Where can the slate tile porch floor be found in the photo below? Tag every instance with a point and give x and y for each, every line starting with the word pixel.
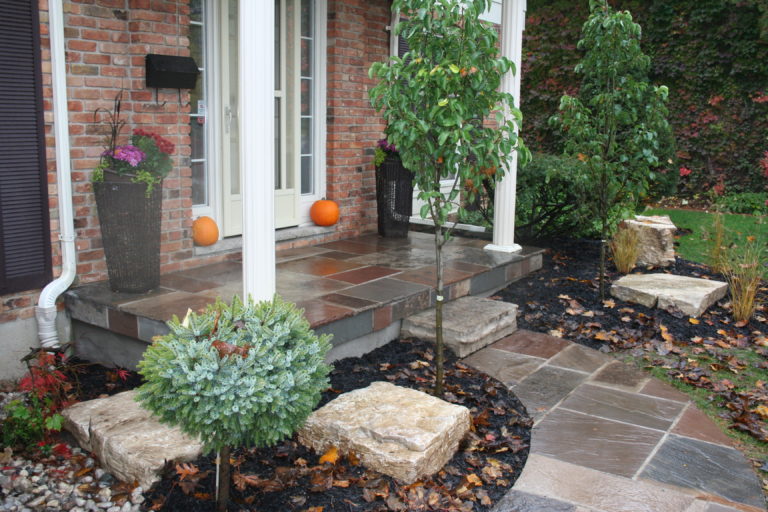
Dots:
pixel 350 288
pixel 609 438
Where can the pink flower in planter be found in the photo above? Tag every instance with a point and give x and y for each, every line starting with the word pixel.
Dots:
pixel 131 154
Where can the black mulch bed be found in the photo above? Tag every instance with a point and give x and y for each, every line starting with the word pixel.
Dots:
pixel 288 476
pixel 563 299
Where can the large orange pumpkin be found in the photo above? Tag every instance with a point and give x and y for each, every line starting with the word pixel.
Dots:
pixel 324 212
pixel 205 231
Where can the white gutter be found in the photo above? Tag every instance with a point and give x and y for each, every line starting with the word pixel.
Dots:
pixel 46 305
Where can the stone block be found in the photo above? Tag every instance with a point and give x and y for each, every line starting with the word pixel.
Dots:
pixel 690 295
pixel 469 324
pixel 656 238
pixel 130 442
pixel 401 432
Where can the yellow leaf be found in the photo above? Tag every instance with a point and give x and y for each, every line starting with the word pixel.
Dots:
pixel 665 333
pixel 762 411
pixel 694 321
pixel 609 303
pixel 331 456
pixel 602 336
pixel 474 479
pixel 582 157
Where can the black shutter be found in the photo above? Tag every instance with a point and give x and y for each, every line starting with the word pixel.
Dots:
pixel 25 253
pixel 402 44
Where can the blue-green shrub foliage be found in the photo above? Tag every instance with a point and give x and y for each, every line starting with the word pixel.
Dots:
pixel 252 398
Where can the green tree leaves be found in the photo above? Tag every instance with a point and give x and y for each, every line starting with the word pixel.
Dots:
pixel 617 125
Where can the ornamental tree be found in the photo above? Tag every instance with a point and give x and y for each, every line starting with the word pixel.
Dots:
pixel 438 100
pixel 241 375
pixel 616 126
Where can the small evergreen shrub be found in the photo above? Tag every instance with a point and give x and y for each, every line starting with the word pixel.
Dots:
pixel 240 375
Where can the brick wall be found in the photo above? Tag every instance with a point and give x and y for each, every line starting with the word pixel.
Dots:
pixel 106 41
pixel 357 37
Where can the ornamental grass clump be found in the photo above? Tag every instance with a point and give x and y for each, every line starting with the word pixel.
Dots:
pixel 243 375
pixel 743 269
pixel 625 248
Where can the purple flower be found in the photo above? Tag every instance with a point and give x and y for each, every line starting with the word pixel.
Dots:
pixel 385 146
pixel 130 154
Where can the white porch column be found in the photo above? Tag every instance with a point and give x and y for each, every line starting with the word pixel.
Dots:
pixel 257 159
pixel 512 26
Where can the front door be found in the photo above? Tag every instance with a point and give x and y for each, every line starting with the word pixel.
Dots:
pixel 299 111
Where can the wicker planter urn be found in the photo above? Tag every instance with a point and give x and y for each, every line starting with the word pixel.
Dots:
pixel 394 196
pixel 128 185
pixel 130 231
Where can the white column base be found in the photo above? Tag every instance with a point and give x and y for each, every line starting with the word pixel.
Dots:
pixel 503 248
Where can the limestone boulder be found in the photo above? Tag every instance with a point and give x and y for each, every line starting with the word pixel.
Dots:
pixel 469 323
pixel 397 431
pixel 690 295
pixel 656 238
pixel 130 443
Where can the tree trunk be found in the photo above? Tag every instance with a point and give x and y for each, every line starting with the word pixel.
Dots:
pixel 223 498
pixel 439 347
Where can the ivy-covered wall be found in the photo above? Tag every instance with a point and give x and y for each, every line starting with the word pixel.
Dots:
pixel 713 56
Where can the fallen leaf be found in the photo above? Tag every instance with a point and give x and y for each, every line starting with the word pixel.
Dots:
pixel 762 410
pixel 610 303
pixel 694 321
pixel 331 456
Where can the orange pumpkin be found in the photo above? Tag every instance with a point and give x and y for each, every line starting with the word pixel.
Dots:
pixel 205 231
pixel 324 212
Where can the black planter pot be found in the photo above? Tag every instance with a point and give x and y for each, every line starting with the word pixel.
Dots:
pixel 130 232
pixel 394 196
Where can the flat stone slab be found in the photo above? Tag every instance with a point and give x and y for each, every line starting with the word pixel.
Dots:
pixel 398 431
pixel 655 239
pixel 711 468
pixel 469 323
pixel 130 442
pixel 690 295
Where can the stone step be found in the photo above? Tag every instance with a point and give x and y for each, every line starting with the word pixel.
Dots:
pixel 469 324
pixel 130 442
pixel 690 295
pixel 369 422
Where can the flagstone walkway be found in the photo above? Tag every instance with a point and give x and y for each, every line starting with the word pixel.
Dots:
pixel 609 438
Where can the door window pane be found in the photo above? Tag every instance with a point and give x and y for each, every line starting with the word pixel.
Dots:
pixel 197 98
pixel 199 182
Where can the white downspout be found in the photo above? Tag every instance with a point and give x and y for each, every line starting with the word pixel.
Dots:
pixel 46 305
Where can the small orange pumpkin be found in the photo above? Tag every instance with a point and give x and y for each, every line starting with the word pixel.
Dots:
pixel 324 212
pixel 205 231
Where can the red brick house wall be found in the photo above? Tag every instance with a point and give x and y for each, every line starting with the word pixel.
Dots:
pixel 106 41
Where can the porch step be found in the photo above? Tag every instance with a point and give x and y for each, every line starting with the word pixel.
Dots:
pixel 357 289
pixel 469 324
pixel 130 442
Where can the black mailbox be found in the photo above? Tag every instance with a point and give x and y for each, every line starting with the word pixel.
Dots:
pixel 171 72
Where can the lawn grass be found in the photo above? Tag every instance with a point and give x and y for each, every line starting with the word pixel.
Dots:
pixel 695 245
